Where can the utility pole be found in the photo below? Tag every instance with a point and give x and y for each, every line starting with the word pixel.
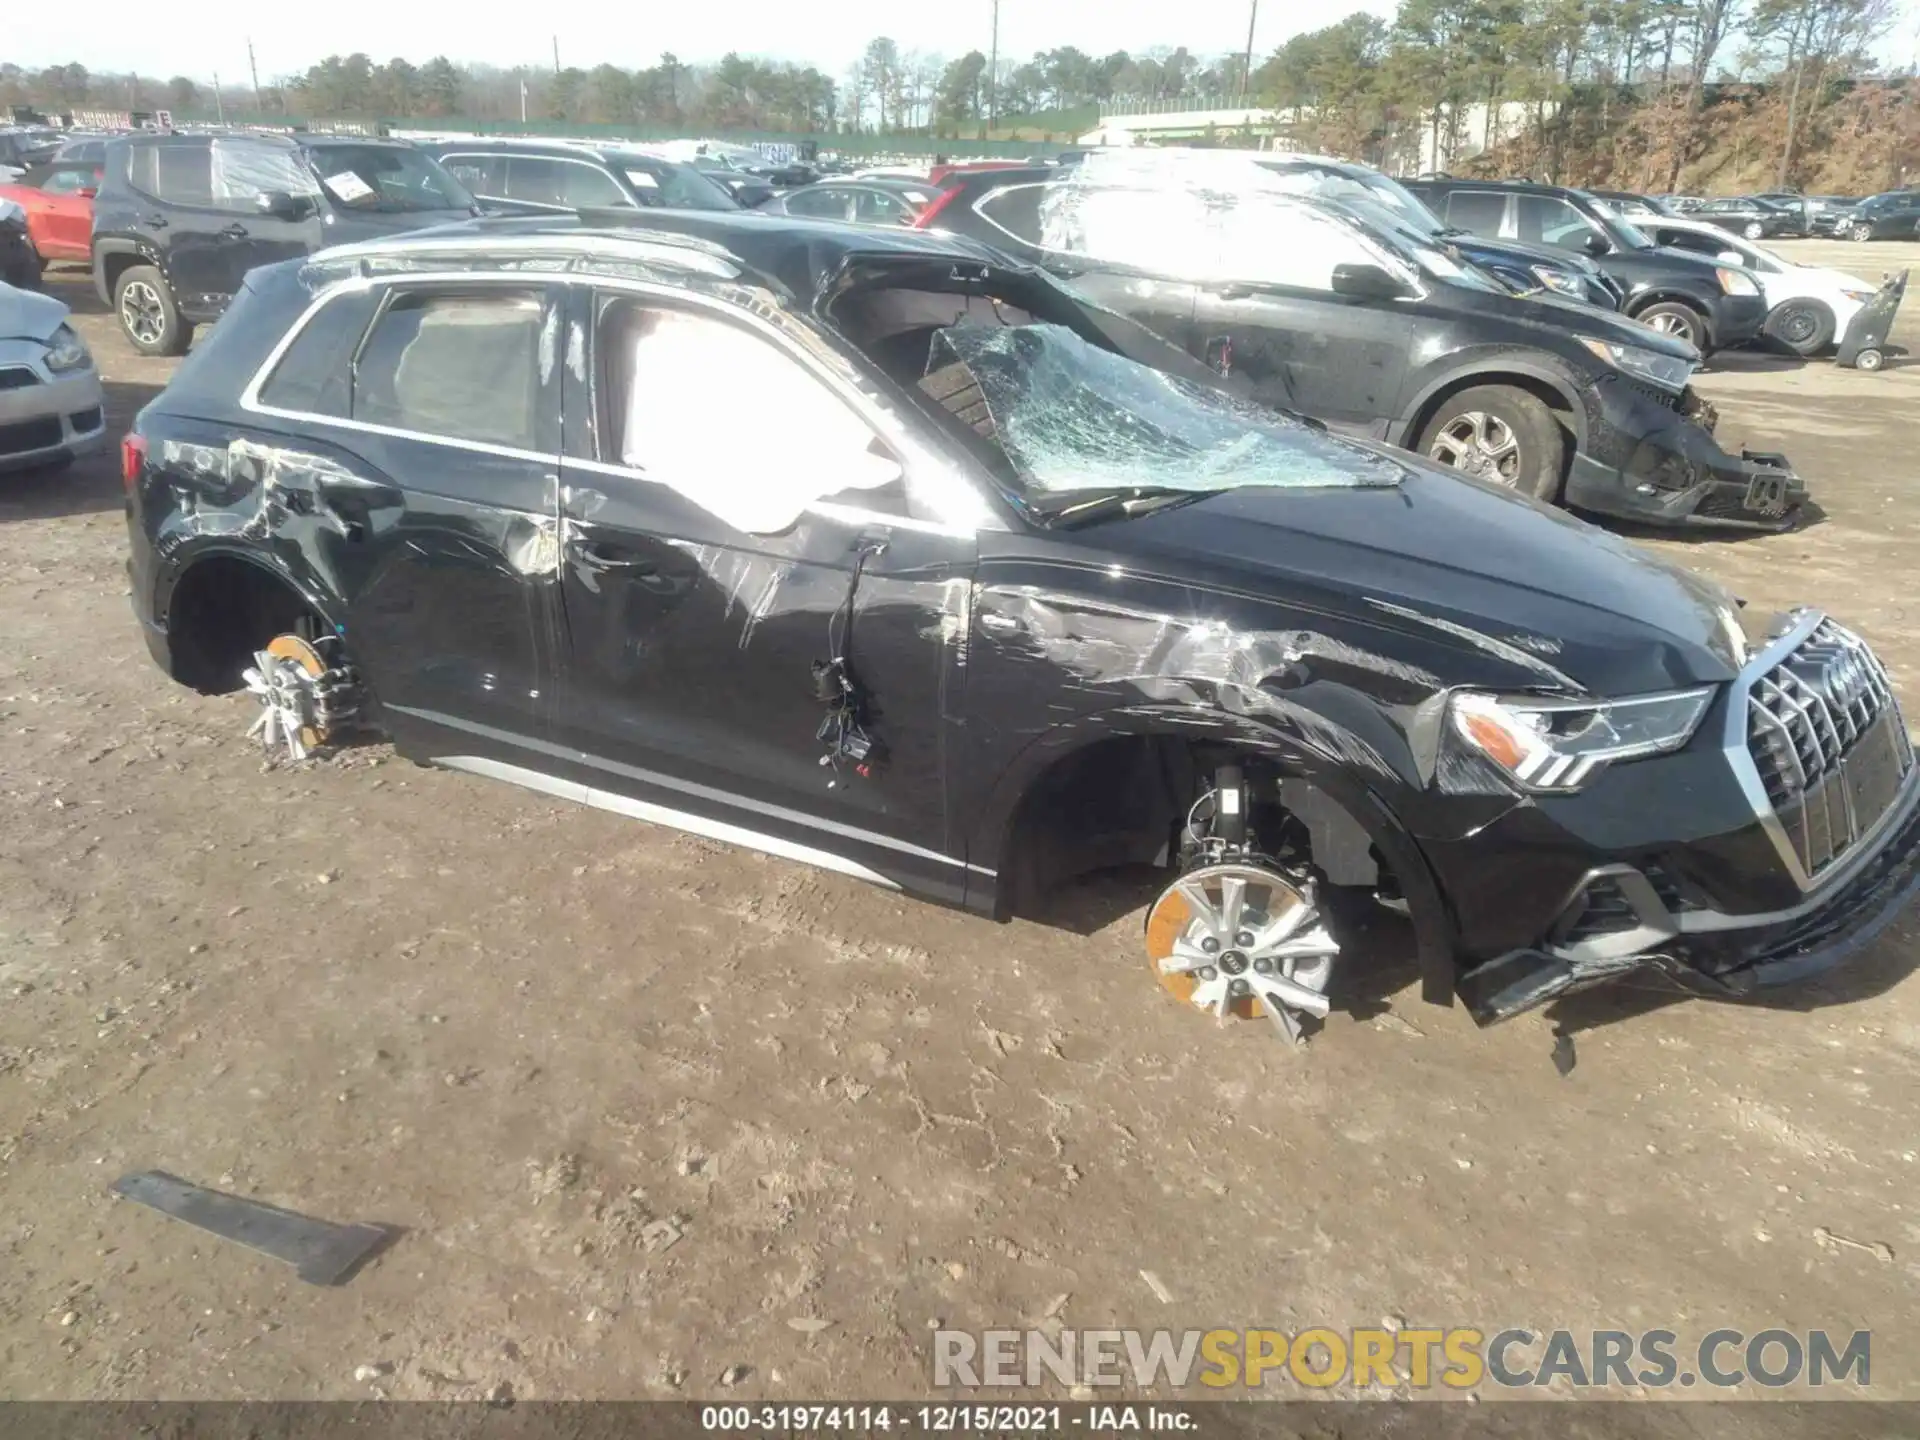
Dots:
pixel 1246 69
pixel 556 55
pixel 254 70
pixel 993 72
pixel 219 101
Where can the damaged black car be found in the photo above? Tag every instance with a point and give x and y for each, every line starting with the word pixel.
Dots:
pixel 1024 594
pixel 1343 310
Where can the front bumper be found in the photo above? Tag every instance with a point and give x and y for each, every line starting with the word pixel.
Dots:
pixel 1736 319
pixel 1711 865
pixel 1652 458
pixel 51 418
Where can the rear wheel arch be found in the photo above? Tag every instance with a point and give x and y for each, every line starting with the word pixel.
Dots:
pixel 223 605
pixel 114 258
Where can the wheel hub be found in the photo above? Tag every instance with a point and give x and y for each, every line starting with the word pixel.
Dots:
pixel 1239 940
pixel 1480 444
pixel 303 701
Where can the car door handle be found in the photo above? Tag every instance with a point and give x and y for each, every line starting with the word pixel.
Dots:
pixel 155 222
pixel 235 232
pixel 605 557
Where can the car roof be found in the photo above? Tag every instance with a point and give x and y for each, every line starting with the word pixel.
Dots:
pixel 556 147
pixel 776 251
pixel 294 140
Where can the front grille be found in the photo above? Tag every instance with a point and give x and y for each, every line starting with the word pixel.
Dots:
pixel 17 377
pixel 1829 743
pixel 1666 399
pixel 30 435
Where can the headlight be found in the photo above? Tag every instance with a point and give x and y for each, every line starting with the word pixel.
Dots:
pixel 1737 282
pixel 1669 372
pixel 67 351
pixel 1556 746
pixel 1565 282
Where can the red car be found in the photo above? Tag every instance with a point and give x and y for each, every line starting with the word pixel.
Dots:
pixel 58 199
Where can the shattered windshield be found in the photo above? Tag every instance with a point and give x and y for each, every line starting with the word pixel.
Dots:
pixel 1072 418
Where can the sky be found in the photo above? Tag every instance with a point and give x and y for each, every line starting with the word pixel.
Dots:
pixel 120 36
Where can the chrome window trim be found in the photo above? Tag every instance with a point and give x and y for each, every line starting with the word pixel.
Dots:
pixel 250 397
pixel 1747 773
pixel 871 414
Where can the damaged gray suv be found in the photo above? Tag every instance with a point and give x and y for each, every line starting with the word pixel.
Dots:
pixel 1024 593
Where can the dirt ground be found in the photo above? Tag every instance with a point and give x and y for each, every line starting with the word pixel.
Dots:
pixel 525 1033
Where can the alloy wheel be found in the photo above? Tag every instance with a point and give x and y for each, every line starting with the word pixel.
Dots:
pixel 141 312
pixel 1481 444
pixel 1241 941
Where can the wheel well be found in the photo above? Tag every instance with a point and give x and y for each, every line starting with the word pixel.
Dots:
pixel 1124 801
pixel 1698 306
pixel 222 611
pixel 1539 389
pixel 116 263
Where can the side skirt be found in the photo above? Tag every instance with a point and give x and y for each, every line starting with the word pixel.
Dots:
pixel 662 815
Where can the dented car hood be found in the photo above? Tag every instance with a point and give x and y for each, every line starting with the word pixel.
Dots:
pixel 25 315
pixel 1562 605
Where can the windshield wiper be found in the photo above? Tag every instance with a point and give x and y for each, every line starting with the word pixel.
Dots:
pixel 1126 504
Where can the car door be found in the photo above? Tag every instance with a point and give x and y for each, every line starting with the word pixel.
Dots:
pixel 710 568
pixel 1268 315
pixel 429 423
pixel 61 217
pixel 174 178
pixel 248 173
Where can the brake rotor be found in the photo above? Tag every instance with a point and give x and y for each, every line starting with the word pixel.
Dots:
pixel 1242 941
pixel 285 679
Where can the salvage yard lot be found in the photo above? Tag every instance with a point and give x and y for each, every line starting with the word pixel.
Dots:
pixel 638 1101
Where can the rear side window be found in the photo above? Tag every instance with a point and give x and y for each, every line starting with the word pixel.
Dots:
pixel 1478 212
pixel 570 184
pixel 179 173
pixel 243 170
pixel 1270 240
pixel 482 174
pixel 824 204
pixel 1015 210
pixel 460 365
pixel 1156 230
pixel 1549 220
pixel 315 375
pixel 876 207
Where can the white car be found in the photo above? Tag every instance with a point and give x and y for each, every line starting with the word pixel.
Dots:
pixel 1808 306
pixel 50 403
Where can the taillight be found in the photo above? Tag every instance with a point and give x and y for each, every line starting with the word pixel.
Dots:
pixel 133 459
pixel 924 221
